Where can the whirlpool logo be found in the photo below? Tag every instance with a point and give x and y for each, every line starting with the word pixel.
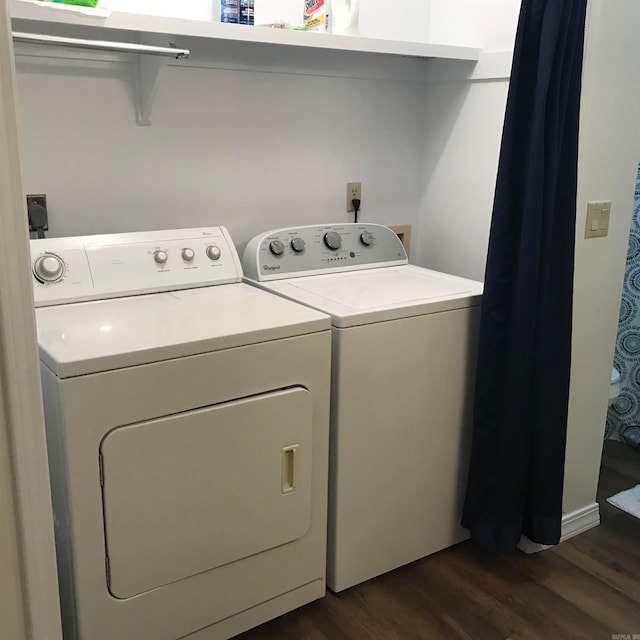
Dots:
pixel 268 267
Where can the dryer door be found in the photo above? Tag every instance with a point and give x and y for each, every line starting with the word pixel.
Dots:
pixel 190 492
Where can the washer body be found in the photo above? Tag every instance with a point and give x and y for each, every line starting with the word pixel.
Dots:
pixel 404 352
pixel 188 437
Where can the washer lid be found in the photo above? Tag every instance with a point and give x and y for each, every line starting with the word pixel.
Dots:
pixel 380 294
pixel 89 337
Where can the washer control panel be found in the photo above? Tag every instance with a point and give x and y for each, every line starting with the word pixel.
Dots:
pixel 109 266
pixel 301 251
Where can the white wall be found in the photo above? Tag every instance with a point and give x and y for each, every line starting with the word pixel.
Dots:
pixel 29 602
pixel 463 128
pixel 188 9
pixel 250 150
pixel 291 11
pixel 12 620
pixel 254 150
pixel 460 168
pixel 609 152
pixel 403 20
pixel 486 23
pixel 461 160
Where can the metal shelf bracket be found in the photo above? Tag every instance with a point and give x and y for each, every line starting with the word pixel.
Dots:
pixel 151 55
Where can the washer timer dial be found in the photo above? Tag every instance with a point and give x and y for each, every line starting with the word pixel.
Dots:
pixel 48 267
pixel 332 240
pixel 366 237
pixel 276 247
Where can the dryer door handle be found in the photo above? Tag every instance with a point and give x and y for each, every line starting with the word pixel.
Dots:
pixel 289 469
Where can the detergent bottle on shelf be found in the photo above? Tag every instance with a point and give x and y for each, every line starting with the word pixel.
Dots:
pixel 345 15
pixel 316 15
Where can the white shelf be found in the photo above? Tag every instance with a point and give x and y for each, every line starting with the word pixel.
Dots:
pixel 235 47
pixel 61 14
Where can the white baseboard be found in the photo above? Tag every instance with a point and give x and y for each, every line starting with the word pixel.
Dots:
pixel 527 546
pixel 573 524
pixel 579 521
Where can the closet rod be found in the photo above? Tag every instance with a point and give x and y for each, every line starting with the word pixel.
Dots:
pixel 101 45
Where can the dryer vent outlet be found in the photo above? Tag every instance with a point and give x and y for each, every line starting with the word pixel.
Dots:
pixel 403 231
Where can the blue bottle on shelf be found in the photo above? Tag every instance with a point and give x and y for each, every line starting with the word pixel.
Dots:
pixel 229 11
pixel 246 12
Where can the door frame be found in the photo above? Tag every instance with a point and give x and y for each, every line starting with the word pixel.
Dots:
pixel 29 597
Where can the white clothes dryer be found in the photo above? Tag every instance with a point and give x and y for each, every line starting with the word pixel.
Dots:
pixel 404 350
pixel 187 419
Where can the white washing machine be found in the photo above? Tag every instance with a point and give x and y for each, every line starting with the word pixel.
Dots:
pixel 187 418
pixel 404 349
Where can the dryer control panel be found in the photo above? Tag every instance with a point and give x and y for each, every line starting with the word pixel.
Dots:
pixel 97 267
pixel 302 251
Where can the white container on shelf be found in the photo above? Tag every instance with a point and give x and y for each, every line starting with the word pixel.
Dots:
pixel 344 16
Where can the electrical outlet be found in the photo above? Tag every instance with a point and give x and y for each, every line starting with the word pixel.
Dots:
pixel 354 192
pixel 40 199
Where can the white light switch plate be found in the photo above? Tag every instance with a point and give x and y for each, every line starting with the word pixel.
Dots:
pixel 597 224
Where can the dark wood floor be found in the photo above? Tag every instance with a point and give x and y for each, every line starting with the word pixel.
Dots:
pixel 588 587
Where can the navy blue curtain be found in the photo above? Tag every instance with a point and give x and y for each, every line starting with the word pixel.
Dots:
pixel 522 387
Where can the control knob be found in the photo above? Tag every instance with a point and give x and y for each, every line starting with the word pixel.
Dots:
pixel 332 240
pixel 188 254
pixel 48 267
pixel 366 237
pixel 276 247
pixel 213 252
pixel 160 256
pixel 298 245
